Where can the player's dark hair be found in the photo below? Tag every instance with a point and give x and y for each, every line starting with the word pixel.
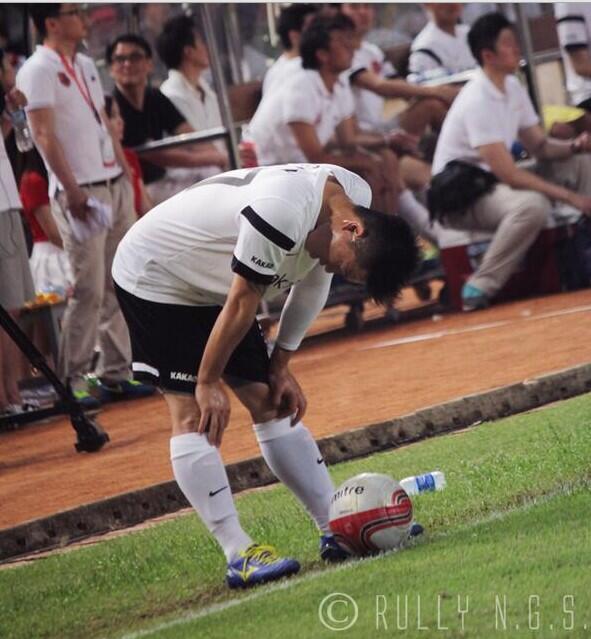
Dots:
pixel 178 32
pixel 127 38
pixel 317 36
pixel 292 18
pixel 388 251
pixel 39 12
pixel 484 33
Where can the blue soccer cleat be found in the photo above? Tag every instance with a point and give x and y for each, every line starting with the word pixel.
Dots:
pixel 259 564
pixel 331 551
pixel 415 530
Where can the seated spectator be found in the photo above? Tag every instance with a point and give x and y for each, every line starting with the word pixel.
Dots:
pixel 50 266
pixel 573 22
pixel 371 79
pixel 150 115
pixel 292 20
pixel 184 52
pixel 142 201
pixel 443 44
pixel 489 114
pixel 298 121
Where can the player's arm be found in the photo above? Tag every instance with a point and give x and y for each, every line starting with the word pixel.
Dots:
pixel 43 128
pixel 544 148
pixel 307 139
pixel 397 88
pixel 232 324
pixel 503 166
pixel 350 134
pixel 306 299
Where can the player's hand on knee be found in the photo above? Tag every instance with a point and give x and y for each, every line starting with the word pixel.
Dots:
pixel 287 396
pixel 214 405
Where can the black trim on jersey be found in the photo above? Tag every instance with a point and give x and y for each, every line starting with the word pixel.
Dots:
pixel 264 228
pixel 575 46
pixel 356 73
pixel 431 54
pixel 250 274
pixel 571 19
pixel 229 180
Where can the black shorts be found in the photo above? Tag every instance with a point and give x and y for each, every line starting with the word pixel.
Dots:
pixel 168 340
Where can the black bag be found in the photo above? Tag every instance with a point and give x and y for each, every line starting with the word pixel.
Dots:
pixel 457 187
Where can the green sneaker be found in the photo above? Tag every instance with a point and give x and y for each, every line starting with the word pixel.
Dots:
pixel 86 400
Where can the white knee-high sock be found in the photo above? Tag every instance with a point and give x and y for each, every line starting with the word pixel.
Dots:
pixel 413 212
pixel 295 459
pixel 201 475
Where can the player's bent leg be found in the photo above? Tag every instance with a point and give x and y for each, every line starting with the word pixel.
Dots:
pixel 293 456
pixel 200 473
pixel 201 476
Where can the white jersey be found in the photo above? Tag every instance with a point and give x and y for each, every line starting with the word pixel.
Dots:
pixel 302 98
pixel 369 106
pixel 253 222
pixel 573 22
pixel 281 70
pixel 434 49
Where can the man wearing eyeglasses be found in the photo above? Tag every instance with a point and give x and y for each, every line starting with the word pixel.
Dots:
pixel 87 174
pixel 150 115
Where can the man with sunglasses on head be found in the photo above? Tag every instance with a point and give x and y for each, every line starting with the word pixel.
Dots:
pixel 150 115
pixel 86 165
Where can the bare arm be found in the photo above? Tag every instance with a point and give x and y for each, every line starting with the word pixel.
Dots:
pixel 44 217
pixel 185 157
pixel 503 166
pixel 349 135
pixel 146 201
pixel 581 61
pixel 397 88
pixel 42 125
pixel 308 141
pixel 121 159
pixel 540 146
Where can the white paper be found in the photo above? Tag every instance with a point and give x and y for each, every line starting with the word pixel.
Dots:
pixel 99 218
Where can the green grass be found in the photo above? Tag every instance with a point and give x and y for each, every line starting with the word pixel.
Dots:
pixel 161 573
pixel 541 560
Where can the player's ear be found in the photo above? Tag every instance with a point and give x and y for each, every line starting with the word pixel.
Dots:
pixel 355 227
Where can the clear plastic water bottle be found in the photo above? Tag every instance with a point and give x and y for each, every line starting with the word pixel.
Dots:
pixel 416 484
pixel 22 132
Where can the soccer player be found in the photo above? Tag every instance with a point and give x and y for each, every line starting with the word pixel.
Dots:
pixel 190 276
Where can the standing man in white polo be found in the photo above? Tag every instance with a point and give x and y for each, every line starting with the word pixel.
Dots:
pixel 489 114
pixel 85 164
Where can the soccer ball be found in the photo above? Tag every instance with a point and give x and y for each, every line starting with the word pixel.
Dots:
pixel 370 513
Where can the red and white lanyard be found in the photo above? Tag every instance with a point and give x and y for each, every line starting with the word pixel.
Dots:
pixel 84 91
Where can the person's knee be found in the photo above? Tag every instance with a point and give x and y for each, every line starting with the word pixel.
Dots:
pixel 184 413
pixel 537 208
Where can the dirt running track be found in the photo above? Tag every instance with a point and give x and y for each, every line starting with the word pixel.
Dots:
pixel 386 371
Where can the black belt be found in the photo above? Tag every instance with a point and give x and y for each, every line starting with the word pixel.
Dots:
pixel 107 182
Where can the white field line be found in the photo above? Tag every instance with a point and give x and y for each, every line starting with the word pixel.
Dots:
pixel 565 489
pixel 477 327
